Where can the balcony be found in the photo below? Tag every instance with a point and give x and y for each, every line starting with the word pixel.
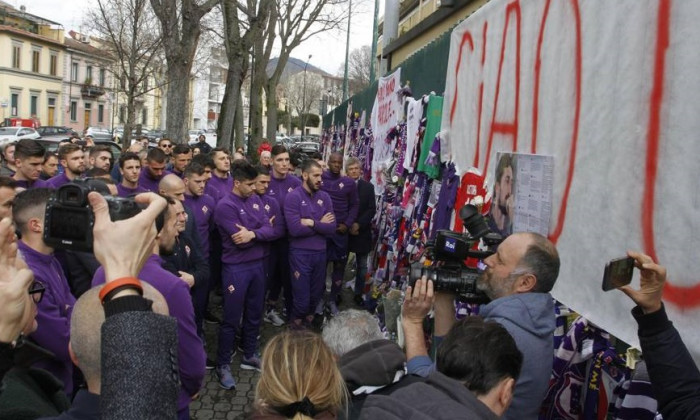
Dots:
pixel 89 91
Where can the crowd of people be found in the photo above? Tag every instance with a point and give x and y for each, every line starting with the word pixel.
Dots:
pixel 81 333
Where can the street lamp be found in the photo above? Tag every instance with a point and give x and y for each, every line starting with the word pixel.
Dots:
pixel 303 102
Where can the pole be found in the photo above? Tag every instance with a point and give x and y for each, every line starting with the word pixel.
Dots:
pixel 372 75
pixel 303 102
pixel 347 55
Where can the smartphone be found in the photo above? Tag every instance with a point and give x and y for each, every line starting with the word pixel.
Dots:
pixel 618 273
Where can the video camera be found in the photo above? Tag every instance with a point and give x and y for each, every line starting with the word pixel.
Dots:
pixel 451 249
pixel 69 219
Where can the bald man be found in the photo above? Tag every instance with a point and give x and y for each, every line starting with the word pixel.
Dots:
pixel 188 261
pixel 84 348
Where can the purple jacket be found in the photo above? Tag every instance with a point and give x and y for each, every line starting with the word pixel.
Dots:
pixel 343 193
pixel 147 182
pixel 54 312
pixel 56 181
pixel 203 209
pixel 191 356
pixel 272 209
pixel 123 191
pixel 280 187
pixel 223 186
pixel 249 212
pixel 298 205
pixel 36 184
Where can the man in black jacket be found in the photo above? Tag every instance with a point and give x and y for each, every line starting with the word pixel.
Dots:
pixel 360 238
pixel 674 376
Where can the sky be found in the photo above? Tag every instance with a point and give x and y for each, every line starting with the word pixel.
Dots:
pixel 327 49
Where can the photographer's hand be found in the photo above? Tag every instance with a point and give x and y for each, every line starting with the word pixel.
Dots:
pixel 15 280
pixel 653 276
pixel 416 305
pixel 123 247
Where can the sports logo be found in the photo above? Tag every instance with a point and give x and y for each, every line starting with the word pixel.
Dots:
pixel 297 275
pixel 205 209
pixel 231 289
pixel 341 185
pixel 320 202
pixel 256 206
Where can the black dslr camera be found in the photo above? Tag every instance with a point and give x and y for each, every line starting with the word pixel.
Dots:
pixel 69 220
pixel 449 251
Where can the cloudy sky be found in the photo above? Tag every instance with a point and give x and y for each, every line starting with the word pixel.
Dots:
pixel 327 50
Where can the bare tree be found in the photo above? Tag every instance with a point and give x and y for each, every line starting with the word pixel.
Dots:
pixel 180 24
pixel 297 21
pixel 301 94
pixel 243 25
pixel 359 64
pixel 126 31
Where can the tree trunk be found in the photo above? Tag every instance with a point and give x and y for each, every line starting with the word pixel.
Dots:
pixel 271 102
pixel 229 104
pixel 238 123
pixel 178 100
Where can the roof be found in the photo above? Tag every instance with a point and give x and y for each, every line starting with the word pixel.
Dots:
pixel 85 47
pixel 11 29
pixel 26 15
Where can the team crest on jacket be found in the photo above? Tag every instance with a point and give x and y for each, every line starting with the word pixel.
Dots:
pixel 205 209
pixel 231 289
pixel 320 202
pixel 267 207
pixel 187 250
pixel 341 185
pixel 296 275
pixel 256 206
pixel 290 189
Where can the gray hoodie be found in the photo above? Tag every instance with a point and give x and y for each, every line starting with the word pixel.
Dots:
pixel 529 318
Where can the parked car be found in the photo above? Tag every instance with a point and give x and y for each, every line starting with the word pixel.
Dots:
pixel 156 135
pixel 9 134
pixel 308 147
pixel 98 133
pixel 53 130
pixel 194 134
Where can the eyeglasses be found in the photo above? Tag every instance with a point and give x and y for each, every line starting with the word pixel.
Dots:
pixel 36 291
pixel 166 145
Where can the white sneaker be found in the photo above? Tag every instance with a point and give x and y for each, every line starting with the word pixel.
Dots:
pixel 273 318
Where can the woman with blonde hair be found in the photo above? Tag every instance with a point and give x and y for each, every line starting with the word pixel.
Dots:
pixel 299 379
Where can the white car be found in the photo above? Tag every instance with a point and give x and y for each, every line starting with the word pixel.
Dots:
pixel 194 135
pixel 10 134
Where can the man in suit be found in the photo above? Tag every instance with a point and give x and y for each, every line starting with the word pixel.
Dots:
pixel 360 239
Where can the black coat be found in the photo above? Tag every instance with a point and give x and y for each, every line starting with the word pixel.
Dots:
pixel 362 243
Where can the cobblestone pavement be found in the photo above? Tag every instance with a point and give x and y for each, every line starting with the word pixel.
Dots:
pixel 217 403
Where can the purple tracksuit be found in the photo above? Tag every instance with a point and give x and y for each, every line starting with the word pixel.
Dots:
pixel 346 203
pixel 307 248
pixel 190 351
pixel 57 181
pixel 243 276
pixel 222 186
pixel 149 183
pixel 53 316
pixel 203 209
pixel 123 191
pixel 279 252
pixel 21 183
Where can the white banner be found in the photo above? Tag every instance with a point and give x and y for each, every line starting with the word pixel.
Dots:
pixel 609 88
pixel 386 114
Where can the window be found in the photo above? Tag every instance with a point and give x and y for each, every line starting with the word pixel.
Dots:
pixel 74 72
pixel 35 61
pixel 14 104
pixel 53 64
pixel 33 105
pixel 16 53
pixel 144 116
pixel 122 114
pixel 74 111
pixel 100 113
pixel 145 84
pixel 102 77
pixel 88 75
pixel 52 101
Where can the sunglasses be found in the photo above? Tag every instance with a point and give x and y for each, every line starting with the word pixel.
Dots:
pixel 166 145
pixel 36 291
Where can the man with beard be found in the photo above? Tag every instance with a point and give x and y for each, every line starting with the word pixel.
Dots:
pixel 129 168
pixel 221 182
pixel 49 168
pixel 282 182
pixel 244 227
pixel 308 213
pixel 517 279
pixel 177 295
pixel 182 156
pixel 101 157
pixel 343 193
pixel 72 158
pixel 501 217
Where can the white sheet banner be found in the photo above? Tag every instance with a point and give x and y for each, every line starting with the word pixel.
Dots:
pixel 610 89
pixel 386 114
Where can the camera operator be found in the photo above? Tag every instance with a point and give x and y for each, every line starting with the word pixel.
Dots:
pixel 517 279
pixel 122 247
pixel 674 376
